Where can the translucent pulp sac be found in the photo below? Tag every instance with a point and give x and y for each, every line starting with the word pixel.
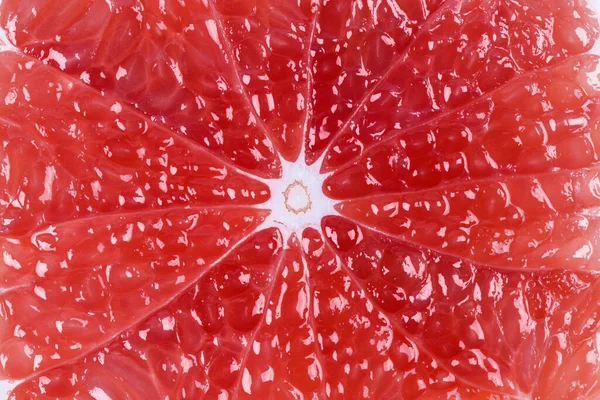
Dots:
pixel 297 199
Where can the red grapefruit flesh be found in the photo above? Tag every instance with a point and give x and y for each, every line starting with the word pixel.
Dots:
pixel 69 154
pixel 140 139
pixel 141 53
pixel 192 348
pixel 355 46
pixel 466 50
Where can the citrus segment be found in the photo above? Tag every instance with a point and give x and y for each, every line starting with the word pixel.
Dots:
pixel 70 153
pixel 190 348
pixel 270 42
pixel 164 58
pixel 355 45
pixel 535 124
pixel 543 221
pixel 471 48
pixel 484 325
pixel 71 287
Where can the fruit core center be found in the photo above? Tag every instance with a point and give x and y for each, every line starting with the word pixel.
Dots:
pixel 296 198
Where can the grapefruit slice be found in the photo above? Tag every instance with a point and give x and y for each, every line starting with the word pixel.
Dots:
pixel 168 177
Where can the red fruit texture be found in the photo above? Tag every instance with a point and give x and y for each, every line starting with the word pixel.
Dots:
pixel 140 142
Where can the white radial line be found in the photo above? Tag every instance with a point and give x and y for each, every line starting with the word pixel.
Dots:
pixel 299 173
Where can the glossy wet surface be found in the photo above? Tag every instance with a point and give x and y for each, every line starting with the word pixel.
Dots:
pixel 145 143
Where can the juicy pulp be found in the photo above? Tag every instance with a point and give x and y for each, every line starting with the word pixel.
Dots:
pixel 141 145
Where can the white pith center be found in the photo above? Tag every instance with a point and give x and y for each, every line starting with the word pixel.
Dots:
pixel 297 199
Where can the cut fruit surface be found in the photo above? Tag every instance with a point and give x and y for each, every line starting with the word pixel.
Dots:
pixel 275 199
pixel 70 154
pixel 104 296
pixel 465 51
